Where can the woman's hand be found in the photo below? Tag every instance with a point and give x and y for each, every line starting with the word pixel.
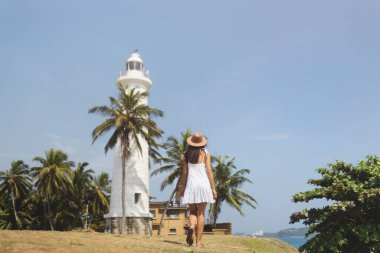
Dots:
pixel 214 194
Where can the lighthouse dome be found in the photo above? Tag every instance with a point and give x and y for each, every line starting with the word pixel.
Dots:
pixel 134 62
pixel 135 76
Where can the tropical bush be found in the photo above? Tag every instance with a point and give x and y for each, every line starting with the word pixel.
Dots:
pixel 351 223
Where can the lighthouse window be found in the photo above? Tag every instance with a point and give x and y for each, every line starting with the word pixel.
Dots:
pixel 131 65
pixel 137 197
pixel 138 66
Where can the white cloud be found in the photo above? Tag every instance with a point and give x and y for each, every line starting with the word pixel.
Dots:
pixel 271 137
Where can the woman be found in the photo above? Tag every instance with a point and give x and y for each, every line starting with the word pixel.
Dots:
pixel 197 185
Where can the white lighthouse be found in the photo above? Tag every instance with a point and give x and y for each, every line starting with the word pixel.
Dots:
pixel 138 217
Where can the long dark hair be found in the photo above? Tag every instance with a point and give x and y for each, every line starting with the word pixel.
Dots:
pixel 192 154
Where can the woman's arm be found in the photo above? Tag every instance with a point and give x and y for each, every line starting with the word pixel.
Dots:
pixel 210 175
pixel 183 181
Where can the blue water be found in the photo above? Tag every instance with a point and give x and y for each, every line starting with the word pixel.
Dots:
pixel 294 241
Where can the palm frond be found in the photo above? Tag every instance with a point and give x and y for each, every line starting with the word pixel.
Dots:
pixel 163 169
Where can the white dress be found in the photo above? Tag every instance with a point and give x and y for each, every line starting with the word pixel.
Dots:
pixel 198 189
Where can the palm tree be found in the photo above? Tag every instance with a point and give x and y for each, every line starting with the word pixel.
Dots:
pixel 174 160
pixel 37 209
pixel 81 180
pixel 98 194
pixel 130 120
pixel 7 217
pixel 53 178
pixel 103 182
pixel 227 184
pixel 15 183
pixel 98 197
pixel 77 199
pixel 2 201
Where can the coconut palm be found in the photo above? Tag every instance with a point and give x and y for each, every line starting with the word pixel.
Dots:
pixel 103 182
pixel 36 207
pixel 98 198
pixel 15 183
pixel 98 194
pixel 130 120
pixel 228 183
pixel 53 178
pixel 174 160
pixel 2 202
pixel 7 217
pixel 4 219
pixel 81 180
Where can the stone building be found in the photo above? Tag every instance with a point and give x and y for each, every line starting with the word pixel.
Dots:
pixel 176 221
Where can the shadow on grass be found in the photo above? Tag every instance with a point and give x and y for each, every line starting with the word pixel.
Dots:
pixel 173 242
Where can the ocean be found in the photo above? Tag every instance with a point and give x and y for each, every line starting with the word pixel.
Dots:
pixel 294 241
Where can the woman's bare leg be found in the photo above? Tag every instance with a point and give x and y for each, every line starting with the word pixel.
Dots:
pixel 193 215
pixel 192 221
pixel 200 222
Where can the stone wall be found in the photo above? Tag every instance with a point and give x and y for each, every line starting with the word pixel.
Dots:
pixel 221 228
pixel 134 225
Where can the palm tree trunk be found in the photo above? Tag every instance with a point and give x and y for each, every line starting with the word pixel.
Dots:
pixel 166 209
pixel 214 223
pixel 49 215
pixel 89 223
pixel 44 203
pixel 86 224
pixel 14 210
pixel 216 212
pixel 123 157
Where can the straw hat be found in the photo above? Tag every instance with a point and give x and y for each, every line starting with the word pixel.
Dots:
pixel 197 140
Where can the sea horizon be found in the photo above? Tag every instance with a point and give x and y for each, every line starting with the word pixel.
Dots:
pixel 295 241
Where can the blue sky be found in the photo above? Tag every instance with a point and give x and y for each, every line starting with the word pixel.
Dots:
pixel 283 86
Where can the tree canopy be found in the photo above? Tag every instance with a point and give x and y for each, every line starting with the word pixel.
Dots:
pixel 351 223
pixel 52 192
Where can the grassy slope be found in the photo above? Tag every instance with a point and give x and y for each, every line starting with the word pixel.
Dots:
pixel 43 241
